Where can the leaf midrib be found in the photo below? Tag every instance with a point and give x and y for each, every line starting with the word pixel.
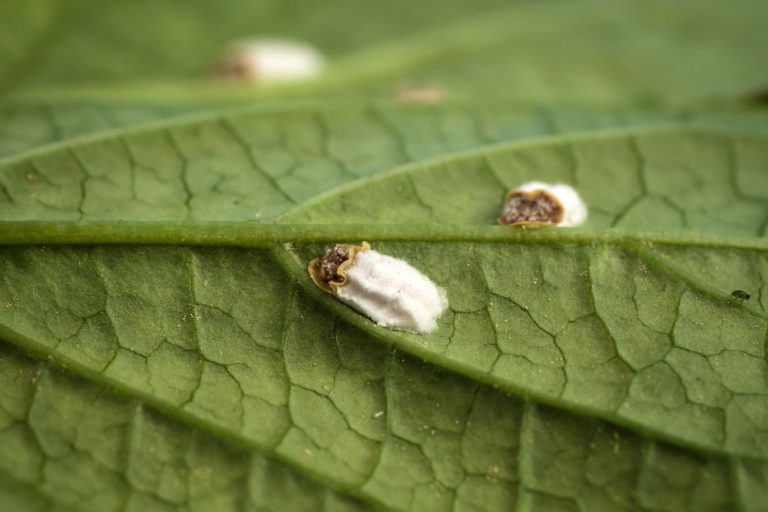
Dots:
pixel 274 237
pixel 247 234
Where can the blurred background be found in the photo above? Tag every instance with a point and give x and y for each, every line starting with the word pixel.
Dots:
pixel 623 52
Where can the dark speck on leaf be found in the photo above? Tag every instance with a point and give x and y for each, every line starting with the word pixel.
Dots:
pixel 740 294
pixel 758 97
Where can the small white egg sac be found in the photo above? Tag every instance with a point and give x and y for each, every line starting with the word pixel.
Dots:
pixel 270 61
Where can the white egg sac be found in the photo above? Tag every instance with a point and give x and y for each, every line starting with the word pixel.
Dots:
pixel 540 204
pixel 268 61
pixel 387 290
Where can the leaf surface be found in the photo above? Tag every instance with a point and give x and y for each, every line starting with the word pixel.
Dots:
pixel 27 126
pixel 589 52
pixel 617 345
pixel 162 347
pixel 256 163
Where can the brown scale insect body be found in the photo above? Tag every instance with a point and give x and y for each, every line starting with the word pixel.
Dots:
pixel 536 208
pixel 328 272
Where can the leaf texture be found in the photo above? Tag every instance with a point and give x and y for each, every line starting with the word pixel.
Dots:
pixel 608 326
pixel 163 348
pixel 257 165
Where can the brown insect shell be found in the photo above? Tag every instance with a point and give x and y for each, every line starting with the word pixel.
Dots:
pixel 532 195
pixel 332 286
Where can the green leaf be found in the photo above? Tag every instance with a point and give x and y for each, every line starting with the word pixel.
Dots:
pixel 589 52
pixel 26 126
pixel 163 348
pixel 253 164
pixel 649 315
pixel 587 369
pixel 661 181
pixel 81 43
pixel 67 440
pixel 256 163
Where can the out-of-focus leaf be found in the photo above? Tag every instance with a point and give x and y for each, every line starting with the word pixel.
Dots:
pixel 594 51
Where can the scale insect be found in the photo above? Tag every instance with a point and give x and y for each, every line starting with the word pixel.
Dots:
pixel 269 61
pixel 740 295
pixel 387 290
pixel 537 204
